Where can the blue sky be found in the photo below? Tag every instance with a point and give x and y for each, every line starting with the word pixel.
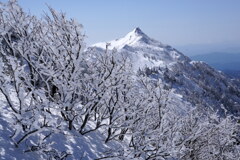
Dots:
pixel 180 23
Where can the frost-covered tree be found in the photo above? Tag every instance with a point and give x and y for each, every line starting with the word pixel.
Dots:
pixel 50 85
pixel 40 72
pixel 149 122
pixel 159 131
pixel 206 135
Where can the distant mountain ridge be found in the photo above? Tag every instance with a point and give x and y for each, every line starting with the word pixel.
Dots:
pixel 229 63
pixel 218 57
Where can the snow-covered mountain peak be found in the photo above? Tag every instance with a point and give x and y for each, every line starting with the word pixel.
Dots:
pixel 143 50
pixel 137 32
pixel 133 38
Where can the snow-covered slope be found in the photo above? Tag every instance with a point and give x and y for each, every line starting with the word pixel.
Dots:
pixel 143 50
pixel 196 81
